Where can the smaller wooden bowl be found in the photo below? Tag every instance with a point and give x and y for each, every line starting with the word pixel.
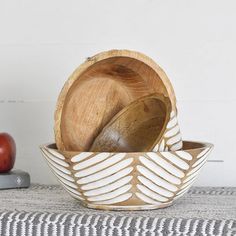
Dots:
pixel 99 89
pixel 138 127
pixel 127 181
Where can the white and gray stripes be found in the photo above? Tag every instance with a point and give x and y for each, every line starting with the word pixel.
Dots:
pixel 38 223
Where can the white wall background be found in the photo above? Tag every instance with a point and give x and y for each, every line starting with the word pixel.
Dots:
pixel 42 42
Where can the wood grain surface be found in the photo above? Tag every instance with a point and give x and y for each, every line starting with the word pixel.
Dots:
pixel 99 89
pixel 136 128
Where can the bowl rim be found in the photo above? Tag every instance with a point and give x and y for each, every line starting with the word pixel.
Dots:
pixel 203 145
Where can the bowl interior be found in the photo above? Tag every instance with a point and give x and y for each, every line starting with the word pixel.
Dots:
pixel 97 94
pixel 138 127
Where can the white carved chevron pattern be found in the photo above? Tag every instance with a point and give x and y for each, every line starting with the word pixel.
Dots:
pixel 125 179
pixel 102 178
pixel 60 169
pixel 166 176
pixel 172 139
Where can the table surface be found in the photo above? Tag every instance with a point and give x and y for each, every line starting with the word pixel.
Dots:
pixel 200 204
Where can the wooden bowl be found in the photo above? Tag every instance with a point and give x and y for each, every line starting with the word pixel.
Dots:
pixel 136 128
pixel 127 181
pixel 101 87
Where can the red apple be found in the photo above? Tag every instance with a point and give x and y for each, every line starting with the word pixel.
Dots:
pixel 7 152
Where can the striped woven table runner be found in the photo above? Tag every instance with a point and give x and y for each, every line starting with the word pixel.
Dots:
pixel 48 210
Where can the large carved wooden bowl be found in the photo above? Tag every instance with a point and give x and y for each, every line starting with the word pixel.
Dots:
pixel 100 88
pixel 127 181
